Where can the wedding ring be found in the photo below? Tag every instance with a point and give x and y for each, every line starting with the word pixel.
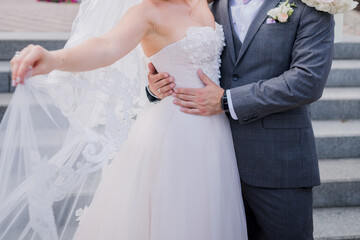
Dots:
pixel 17 54
pixel 159 91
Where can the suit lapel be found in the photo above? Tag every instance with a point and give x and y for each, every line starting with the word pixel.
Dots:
pixel 255 25
pixel 224 15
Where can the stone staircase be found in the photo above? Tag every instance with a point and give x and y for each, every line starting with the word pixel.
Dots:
pixel 336 121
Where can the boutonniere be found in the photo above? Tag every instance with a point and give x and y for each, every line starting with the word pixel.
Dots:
pixel 282 12
pixel 332 6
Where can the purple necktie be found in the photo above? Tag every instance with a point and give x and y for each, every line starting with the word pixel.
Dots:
pixel 246 1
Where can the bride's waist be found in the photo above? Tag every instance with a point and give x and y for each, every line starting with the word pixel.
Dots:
pixel 168 107
pixel 169 101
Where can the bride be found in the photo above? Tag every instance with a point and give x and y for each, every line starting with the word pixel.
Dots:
pixel 174 177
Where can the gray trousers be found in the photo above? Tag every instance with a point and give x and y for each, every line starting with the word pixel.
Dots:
pixel 278 214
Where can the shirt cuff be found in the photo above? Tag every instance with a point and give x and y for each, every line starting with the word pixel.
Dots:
pixel 147 88
pixel 231 107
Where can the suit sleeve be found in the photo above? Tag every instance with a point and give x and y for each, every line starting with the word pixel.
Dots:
pixel 303 83
pixel 151 97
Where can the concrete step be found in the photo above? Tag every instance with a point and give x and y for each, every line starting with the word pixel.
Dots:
pixel 4 76
pixel 337 139
pixel 337 103
pixel 349 49
pixel 340 183
pixel 344 73
pixel 10 42
pixel 337 223
pixel 4 102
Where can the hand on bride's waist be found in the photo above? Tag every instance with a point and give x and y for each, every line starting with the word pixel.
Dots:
pixel 204 101
pixel 161 85
pixel 199 101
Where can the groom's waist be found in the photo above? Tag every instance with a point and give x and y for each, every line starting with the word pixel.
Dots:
pixel 277 150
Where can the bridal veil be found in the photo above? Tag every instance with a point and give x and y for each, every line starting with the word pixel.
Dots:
pixel 61 129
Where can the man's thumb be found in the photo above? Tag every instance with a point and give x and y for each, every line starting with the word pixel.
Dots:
pixel 152 69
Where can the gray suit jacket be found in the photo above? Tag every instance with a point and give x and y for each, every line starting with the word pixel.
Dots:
pixel 281 68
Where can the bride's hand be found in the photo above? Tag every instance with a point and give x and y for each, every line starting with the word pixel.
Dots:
pixel 34 58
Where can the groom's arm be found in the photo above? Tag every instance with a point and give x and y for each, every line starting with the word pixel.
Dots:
pixel 303 83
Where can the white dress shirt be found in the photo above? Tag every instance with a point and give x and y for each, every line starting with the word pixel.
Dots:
pixel 242 16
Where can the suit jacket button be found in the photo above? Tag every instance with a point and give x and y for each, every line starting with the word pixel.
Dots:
pixel 235 77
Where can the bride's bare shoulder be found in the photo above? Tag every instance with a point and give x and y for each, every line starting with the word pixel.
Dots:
pixel 148 9
pixel 142 13
pixel 155 11
pixel 149 5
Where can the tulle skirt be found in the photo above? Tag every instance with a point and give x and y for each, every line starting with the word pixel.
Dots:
pixel 175 178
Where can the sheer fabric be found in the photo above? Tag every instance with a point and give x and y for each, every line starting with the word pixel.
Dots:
pixel 61 129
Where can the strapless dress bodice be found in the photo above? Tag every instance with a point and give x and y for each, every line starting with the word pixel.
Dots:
pixel 200 49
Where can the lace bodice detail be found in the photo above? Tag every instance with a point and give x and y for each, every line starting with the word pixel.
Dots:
pixel 200 49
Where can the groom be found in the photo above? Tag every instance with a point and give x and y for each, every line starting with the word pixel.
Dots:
pixel 271 72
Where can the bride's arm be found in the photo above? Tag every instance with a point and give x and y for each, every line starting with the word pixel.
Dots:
pixel 93 53
pixel 108 48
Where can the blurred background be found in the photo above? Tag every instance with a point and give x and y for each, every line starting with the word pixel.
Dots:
pixel 336 116
pixel 36 16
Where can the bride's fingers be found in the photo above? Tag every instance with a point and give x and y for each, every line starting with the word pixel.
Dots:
pixel 14 66
pixel 35 56
pixel 16 62
pixel 24 67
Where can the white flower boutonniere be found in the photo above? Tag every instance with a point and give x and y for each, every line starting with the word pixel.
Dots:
pixel 282 12
pixel 332 6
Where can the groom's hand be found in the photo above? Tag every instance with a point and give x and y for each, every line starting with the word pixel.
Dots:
pixel 200 101
pixel 160 84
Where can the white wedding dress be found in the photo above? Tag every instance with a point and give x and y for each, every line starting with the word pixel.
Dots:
pixel 176 177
